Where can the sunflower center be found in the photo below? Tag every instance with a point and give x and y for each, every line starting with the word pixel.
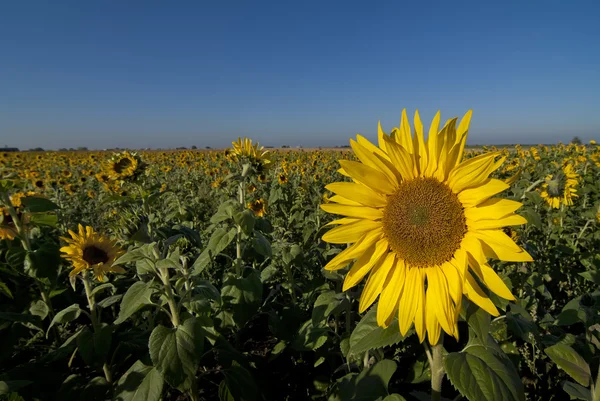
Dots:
pixel 556 187
pixel 424 222
pixel 122 165
pixel 94 255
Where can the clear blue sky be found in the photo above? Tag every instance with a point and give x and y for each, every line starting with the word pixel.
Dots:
pixel 164 74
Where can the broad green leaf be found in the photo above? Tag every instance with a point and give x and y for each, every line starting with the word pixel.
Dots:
pixel 44 219
pixel 218 241
pixel 479 320
pixel 481 374
pixel 246 221
pixel 370 384
pixel 593 276
pixel 324 305
pixel 39 308
pixel 243 296
pixel 262 245
pixel 571 362
pixel 577 392
pixel 240 383
pixel 369 335
pixel 136 296
pixel 139 383
pixel 66 315
pixel 310 338
pixel 224 392
pixel 175 352
pixel 103 287
pixel 95 345
pixel 37 204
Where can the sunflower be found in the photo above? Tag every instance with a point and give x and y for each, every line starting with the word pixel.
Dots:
pixel 125 166
pixel 282 178
pixel 258 207
pixel 559 189
pixel 422 224
pixel 88 250
pixel 7 228
pixel 245 149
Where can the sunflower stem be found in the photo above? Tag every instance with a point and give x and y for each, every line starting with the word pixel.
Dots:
pixel 437 371
pixel 238 239
pixel 164 272
pixel 94 317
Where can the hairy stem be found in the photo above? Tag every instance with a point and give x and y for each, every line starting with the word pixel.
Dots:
pixel 437 371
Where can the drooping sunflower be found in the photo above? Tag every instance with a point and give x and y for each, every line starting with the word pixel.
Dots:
pixel 89 250
pixel 422 224
pixel 258 206
pixel 560 188
pixel 8 230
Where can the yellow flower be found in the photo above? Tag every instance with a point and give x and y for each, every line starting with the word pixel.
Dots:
pixel 245 149
pixel 124 165
pixel 282 178
pixel 560 189
pixel 258 207
pixel 88 250
pixel 423 225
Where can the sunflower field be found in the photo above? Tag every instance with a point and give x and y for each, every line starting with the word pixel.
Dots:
pixel 409 268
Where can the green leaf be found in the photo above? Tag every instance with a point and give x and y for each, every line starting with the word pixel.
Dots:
pixel 224 392
pixel 139 383
pixel 218 241
pixel 246 221
pixel 39 308
pixel 593 276
pixel 577 392
pixel 102 287
pixel 43 263
pixel 44 219
pixel 481 374
pixel 95 345
pixel 310 338
pixel 369 335
pixel 7 387
pixel 240 383
pixel 143 252
pixel 479 320
pixel 394 397
pixel 262 245
pixel 324 305
pixel 66 315
pixel 175 352
pixel 5 290
pixel 571 362
pixel 38 204
pixel 370 384
pixel 136 296
pixel 243 296
pixel 207 290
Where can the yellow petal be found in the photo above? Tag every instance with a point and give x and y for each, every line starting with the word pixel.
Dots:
pixel 376 281
pixel 492 209
pixel 431 319
pixel 408 302
pixel 475 196
pixel 364 212
pixel 405 137
pixel 419 144
pixel 392 290
pixel 402 160
pixel 500 246
pixel 474 292
pixel 442 306
pixel 369 176
pixel 495 283
pixel 365 263
pixel 342 259
pixel 358 193
pixel 343 201
pixel 349 233
pixel 432 146
pixel 513 220
pixel 369 159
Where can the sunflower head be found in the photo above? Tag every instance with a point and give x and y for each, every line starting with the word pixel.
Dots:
pixel 125 166
pixel 245 151
pixel 258 207
pixel 89 251
pixel 422 223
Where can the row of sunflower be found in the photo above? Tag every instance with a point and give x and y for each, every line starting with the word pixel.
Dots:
pixel 227 274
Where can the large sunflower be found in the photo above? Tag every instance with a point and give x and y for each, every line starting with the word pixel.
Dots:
pixel 125 166
pixel 88 250
pixel 423 224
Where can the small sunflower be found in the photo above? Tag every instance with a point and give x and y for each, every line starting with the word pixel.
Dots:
pixel 7 228
pixel 244 149
pixel 422 224
pixel 258 207
pixel 88 250
pixel 559 189
pixel 282 178
pixel 125 166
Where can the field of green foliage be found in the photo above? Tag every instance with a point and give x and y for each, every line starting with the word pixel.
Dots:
pixel 218 290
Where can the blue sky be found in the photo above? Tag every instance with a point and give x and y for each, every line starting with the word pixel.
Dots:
pixel 314 73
